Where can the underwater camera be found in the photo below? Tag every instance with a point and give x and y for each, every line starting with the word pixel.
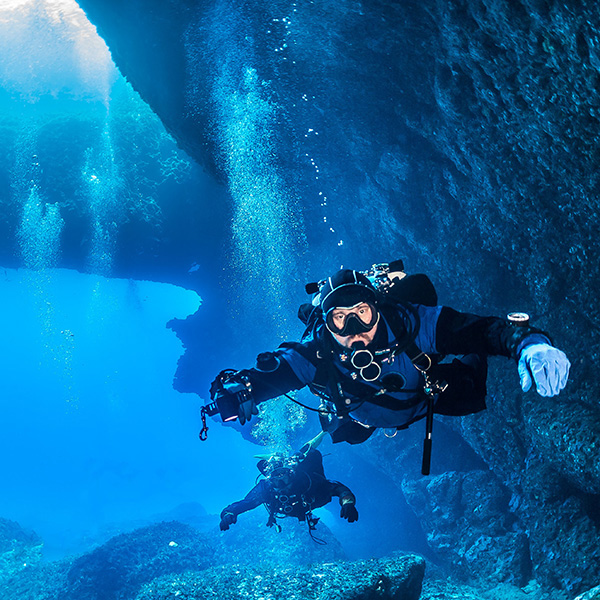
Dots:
pixel 385 276
pixel 229 390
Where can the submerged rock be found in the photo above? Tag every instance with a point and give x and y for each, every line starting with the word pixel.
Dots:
pixel 398 578
pixel 468 525
pixel 593 594
pixel 566 434
pixel 172 559
pixel 546 452
pixel 118 568
pixel 19 549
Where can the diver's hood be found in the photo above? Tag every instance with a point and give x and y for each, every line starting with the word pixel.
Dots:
pixel 345 289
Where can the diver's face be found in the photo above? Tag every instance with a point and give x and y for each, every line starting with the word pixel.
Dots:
pixel 365 313
pixel 281 477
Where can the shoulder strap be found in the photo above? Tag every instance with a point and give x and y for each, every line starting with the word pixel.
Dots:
pixel 398 317
pixel 316 348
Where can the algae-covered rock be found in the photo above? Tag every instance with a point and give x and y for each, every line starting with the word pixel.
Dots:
pixel 118 568
pixel 565 557
pixel 19 549
pixel 175 560
pixel 44 581
pixel 566 433
pixel 398 578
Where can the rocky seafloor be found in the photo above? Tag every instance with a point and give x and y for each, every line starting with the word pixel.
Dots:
pixel 176 560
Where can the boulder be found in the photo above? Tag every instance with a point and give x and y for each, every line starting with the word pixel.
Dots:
pixel 398 578
pixel 592 594
pixel 469 525
pixel 249 558
pixel 566 434
pixel 120 566
pixel 19 549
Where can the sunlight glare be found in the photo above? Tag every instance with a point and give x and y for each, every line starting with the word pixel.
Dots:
pixel 50 48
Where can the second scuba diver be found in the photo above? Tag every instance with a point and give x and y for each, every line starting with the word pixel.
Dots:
pixel 293 487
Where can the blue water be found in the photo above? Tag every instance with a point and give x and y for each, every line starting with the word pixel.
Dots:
pixel 94 438
pixel 93 433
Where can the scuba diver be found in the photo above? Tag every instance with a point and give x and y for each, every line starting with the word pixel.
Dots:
pixel 376 353
pixel 293 487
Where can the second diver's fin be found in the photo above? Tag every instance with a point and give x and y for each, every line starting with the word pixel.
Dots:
pixel 312 444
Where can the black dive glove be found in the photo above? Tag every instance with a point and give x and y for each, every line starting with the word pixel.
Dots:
pixel 227 519
pixel 349 511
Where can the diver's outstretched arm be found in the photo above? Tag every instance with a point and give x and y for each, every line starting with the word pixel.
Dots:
pixel 347 501
pixel 539 362
pixel 254 498
pixel 238 393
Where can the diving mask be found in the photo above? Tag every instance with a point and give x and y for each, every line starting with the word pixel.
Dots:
pixel 278 465
pixel 354 320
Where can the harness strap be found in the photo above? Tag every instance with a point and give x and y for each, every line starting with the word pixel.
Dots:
pixel 327 381
pixel 329 377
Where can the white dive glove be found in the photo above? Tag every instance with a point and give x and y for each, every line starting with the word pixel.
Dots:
pixel 544 365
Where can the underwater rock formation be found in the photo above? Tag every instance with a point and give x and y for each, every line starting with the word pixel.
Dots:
pixel 468 525
pixel 19 549
pixel 386 579
pixel 129 560
pixel 167 559
pixel 558 512
pixel 120 566
pixel 461 136
pixel 592 594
